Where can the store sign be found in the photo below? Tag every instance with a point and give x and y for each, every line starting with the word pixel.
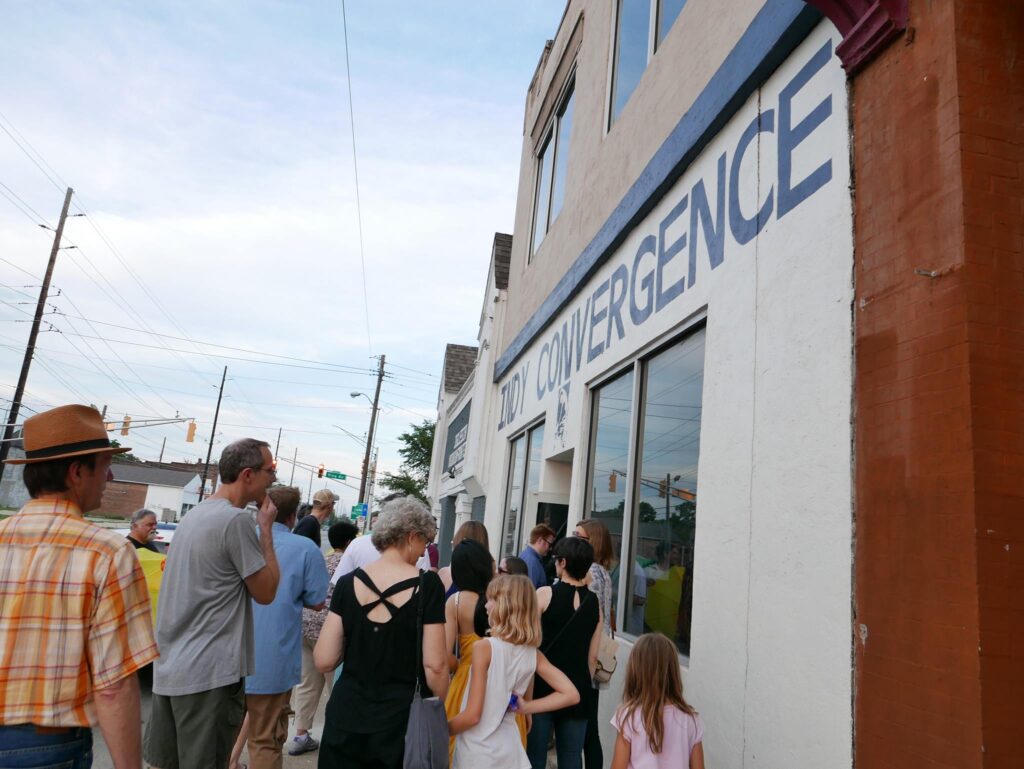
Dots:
pixel 714 208
pixel 458 433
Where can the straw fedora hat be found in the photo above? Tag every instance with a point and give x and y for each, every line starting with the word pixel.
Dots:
pixel 66 431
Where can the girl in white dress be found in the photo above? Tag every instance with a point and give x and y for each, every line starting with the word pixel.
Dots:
pixel 501 681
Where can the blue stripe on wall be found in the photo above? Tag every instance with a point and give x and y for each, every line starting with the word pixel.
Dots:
pixel 779 27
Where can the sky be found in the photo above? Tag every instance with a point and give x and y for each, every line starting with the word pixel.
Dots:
pixel 210 147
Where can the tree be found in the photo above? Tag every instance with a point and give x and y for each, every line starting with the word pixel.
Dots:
pixel 129 457
pixel 417 448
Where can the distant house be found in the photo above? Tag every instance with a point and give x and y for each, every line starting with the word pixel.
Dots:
pixel 169 493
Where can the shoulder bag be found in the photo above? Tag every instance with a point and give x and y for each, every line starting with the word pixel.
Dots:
pixel 426 735
pixel 606 660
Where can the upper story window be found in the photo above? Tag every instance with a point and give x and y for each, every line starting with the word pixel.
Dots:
pixel 552 162
pixel 640 28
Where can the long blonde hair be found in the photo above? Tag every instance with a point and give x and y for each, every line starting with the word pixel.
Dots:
pixel 514 614
pixel 653 682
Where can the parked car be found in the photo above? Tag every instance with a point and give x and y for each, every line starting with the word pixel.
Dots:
pixel 162 540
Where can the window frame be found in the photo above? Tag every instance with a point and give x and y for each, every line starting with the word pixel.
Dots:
pixel 549 140
pixel 638 364
pixel 653 18
pixel 527 435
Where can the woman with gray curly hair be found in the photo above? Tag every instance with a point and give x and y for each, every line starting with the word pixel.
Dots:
pixel 371 627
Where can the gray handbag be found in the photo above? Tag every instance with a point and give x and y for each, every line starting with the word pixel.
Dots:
pixel 426 736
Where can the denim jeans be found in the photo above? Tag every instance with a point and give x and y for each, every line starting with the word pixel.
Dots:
pixel 22 747
pixel 569 736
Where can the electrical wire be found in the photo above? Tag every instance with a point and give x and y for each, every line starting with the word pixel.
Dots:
pixel 355 168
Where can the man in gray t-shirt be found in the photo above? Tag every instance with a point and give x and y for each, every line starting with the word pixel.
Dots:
pixel 215 564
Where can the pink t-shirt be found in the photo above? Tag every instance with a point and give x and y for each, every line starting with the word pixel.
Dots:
pixel 682 732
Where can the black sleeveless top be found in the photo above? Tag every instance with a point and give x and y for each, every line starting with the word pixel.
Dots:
pixel 379 673
pixel 567 632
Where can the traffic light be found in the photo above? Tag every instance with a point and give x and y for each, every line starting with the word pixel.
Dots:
pixel 191 436
pixel 612 481
pixel 662 488
pixel 126 424
pixel 320 472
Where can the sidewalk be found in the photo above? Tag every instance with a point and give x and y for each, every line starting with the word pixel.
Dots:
pixel 101 758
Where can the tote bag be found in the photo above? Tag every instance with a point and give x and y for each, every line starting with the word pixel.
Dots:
pixel 426 736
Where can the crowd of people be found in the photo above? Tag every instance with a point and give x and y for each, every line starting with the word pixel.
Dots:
pixel 250 612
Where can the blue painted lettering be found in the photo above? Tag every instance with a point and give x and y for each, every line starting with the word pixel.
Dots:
pixel 620 278
pixel 665 255
pixel 743 229
pixel 637 313
pixel 714 234
pixel 596 316
pixel 790 136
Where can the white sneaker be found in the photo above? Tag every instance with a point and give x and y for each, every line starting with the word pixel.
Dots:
pixel 303 744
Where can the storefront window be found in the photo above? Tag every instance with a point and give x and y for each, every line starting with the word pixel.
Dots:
pixel 523 481
pixel 656 538
pixel 613 413
pixel 666 493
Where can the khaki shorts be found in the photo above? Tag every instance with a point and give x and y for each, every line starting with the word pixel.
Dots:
pixel 195 731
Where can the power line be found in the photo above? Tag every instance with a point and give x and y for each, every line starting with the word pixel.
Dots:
pixel 20 269
pixel 355 168
pixel 339 366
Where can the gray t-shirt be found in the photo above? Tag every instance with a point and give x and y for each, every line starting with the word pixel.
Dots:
pixel 204 614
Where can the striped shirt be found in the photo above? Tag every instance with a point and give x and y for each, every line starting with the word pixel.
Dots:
pixel 74 614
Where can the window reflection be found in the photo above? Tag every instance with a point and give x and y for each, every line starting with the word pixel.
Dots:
pixel 666 492
pixel 513 497
pixel 631 42
pixel 610 455
pixel 668 10
pixel 523 484
pixel 562 154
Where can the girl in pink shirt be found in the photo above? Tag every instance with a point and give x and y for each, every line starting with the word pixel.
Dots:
pixel 657 728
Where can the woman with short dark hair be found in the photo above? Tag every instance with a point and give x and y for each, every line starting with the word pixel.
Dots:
pixel 571 623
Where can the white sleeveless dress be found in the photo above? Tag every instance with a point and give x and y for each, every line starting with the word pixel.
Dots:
pixel 494 743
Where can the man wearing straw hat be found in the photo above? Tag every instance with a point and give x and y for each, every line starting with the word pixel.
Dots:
pixel 74 608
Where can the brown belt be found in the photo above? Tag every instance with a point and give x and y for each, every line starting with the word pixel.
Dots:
pixel 54 729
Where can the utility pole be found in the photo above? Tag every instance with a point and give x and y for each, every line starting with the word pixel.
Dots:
pixel 278 447
pixel 369 435
pixel 162 447
pixel 213 435
pixel 309 494
pixel 294 460
pixel 19 391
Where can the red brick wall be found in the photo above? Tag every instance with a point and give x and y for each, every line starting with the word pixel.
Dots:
pixel 990 66
pixel 122 499
pixel 939 408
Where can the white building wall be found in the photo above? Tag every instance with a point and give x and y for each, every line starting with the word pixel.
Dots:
pixel 770 665
pixel 160 497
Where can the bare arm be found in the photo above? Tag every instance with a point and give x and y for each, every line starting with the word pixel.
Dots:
pixel 445 573
pixel 451 631
pixel 330 646
pixel 262 585
pixel 435 659
pixel 622 750
pixel 470 717
pixel 318 607
pixel 563 696
pixel 543 598
pixel 697 756
pixel 118 712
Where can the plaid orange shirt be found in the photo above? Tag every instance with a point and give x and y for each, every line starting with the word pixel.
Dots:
pixel 74 614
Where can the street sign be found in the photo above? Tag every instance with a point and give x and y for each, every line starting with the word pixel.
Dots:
pixel 359 510
pixel 336 475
